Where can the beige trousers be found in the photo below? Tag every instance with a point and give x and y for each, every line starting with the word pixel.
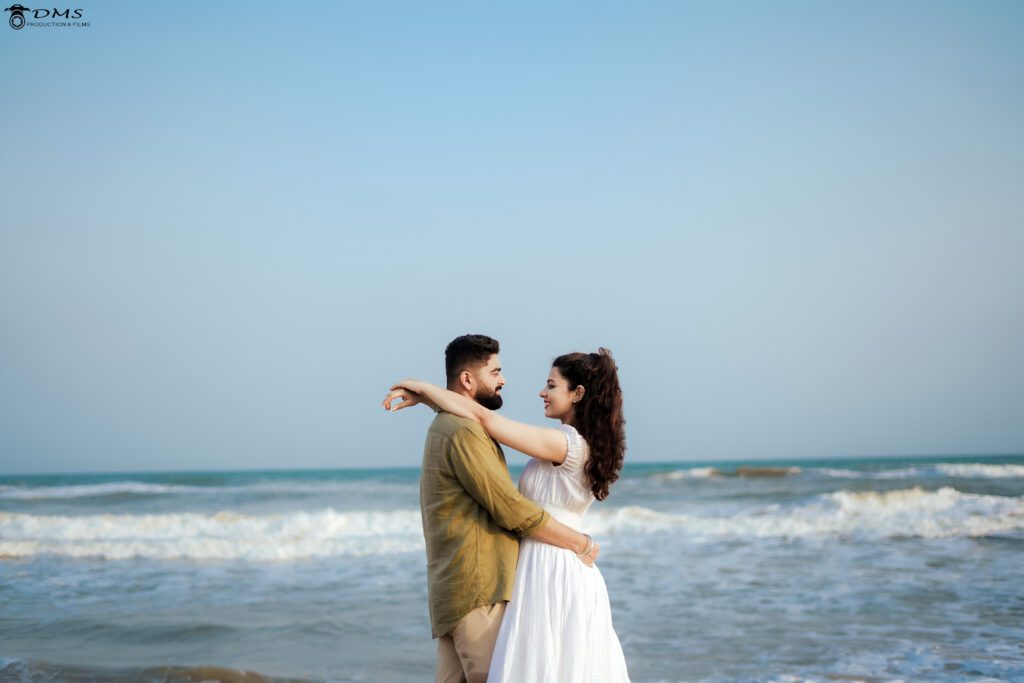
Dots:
pixel 464 655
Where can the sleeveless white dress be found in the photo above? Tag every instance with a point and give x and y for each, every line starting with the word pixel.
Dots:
pixel 558 625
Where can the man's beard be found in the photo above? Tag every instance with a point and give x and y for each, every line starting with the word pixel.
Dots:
pixel 491 401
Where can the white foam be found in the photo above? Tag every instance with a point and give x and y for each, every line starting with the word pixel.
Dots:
pixel 903 473
pixel 943 513
pixel 742 471
pixel 906 512
pixel 958 470
pixel 321 487
pixel 980 470
pixel 115 488
pixel 89 490
pixel 220 536
pixel 692 473
pixel 837 473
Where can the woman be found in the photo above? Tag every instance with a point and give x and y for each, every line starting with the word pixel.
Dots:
pixel 558 626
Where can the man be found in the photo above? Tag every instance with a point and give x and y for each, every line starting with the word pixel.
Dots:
pixel 473 517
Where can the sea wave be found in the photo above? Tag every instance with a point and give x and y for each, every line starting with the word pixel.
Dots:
pixel 837 473
pixel 980 470
pixel 692 473
pixel 113 488
pixel 742 471
pixel 905 512
pixel 933 471
pixel 938 470
pixel 138 488
pixel 33 670
pixel 285 487
pixel 219 536
pixel 227 535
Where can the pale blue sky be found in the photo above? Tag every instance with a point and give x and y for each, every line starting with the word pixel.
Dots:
pixel 228 227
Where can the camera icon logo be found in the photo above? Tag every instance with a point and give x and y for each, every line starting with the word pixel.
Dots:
pixel 17 19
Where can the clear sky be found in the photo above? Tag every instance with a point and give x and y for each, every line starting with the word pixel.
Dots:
pixel 227 227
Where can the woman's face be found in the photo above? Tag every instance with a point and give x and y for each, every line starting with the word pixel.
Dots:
pixel 558 400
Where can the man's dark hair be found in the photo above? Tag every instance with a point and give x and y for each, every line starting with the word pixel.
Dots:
pixel 465 351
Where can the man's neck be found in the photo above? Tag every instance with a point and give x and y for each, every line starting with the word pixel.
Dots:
pixel 461 391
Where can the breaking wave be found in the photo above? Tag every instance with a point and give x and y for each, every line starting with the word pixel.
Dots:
pixel 940 470
pixel 980 470
pixel 130 488
pixel 114 488
pixel 906 512
pixel 692 473
pixel 219 536
pixel 301 535
pixel 742 471
pixel 33 670
pixel 138 488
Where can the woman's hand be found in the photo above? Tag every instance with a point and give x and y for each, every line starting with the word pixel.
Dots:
pixel 408 399
pixel 411 392
pixel 416 386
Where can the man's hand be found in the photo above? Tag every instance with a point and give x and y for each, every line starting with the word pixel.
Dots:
pixel 590 558
pixel 559 535
pixel 589 552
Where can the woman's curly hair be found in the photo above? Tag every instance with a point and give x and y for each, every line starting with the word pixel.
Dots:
pixel 598 415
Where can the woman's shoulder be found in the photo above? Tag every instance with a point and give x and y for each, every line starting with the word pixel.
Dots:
pixel 567 428
pixel 577 448
pixel 571 432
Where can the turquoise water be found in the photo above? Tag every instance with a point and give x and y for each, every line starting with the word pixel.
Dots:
pixel 875 569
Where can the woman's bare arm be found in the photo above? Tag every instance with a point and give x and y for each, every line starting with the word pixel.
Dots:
pixel 409 399
pixel 543 443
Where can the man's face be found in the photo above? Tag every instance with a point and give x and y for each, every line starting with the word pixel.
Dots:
pixel 488 381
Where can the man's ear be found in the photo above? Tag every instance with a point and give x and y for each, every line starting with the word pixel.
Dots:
pixel 466 380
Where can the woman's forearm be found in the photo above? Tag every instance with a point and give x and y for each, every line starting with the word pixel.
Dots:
pixel 450 402
pixel 537 442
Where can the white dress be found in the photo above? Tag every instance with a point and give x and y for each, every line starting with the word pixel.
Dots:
pixel 558 625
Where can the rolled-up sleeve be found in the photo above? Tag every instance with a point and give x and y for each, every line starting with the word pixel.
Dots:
pixel 485 479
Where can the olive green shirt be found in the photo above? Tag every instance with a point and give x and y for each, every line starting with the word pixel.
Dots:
pixel 472 517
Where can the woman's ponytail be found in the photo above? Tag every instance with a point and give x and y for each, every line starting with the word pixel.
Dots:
pixel 598 415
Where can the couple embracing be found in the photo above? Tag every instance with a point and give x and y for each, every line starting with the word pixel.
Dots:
pixel 514 594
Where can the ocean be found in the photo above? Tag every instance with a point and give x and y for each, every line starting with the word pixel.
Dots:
pixel 891 569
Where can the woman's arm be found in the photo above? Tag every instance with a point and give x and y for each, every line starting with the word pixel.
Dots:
pixel 409 399
pixel 542 443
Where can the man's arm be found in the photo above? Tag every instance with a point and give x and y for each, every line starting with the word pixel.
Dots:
pixel 487 481
pixel 557 534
